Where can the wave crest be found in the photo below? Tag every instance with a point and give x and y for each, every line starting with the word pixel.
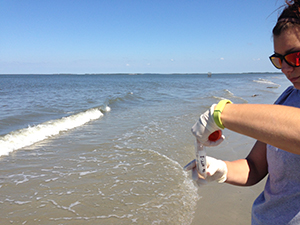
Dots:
pixel 28 136
pixel 265 81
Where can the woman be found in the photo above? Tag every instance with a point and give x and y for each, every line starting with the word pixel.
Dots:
pixel 276 128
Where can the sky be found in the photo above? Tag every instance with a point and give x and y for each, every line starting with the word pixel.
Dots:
pixel 136 36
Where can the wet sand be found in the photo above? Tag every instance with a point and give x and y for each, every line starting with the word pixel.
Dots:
pixel 225 204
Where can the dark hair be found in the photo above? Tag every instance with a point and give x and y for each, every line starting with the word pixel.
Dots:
pixel 289 17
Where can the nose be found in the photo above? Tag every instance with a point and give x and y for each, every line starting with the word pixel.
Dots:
pixel 286 68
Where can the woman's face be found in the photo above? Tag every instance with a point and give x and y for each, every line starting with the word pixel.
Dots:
pixel 289 41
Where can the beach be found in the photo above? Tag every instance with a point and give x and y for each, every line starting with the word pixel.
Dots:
pixel 110 149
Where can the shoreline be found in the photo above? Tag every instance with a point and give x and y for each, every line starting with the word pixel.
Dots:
pixel 226 204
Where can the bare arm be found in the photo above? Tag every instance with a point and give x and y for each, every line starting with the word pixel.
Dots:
pixel 276 125
pixel 249 171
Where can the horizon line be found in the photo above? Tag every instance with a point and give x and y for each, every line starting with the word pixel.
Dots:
pixel 210 73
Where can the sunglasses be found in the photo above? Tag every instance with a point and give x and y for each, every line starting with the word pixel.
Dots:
pixel 292 59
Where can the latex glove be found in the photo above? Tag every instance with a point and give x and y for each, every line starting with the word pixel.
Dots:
pixel 216 171
pixel 206 126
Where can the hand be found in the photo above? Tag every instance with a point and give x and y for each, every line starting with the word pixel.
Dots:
pixel 205 126
pixel 216 171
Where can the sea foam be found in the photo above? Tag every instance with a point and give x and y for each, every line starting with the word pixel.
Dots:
pixel 28 136
pixel 265 81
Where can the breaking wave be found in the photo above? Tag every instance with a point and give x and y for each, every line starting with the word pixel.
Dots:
pixel 33 134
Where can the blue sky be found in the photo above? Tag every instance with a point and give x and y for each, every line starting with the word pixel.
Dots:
pixel 136 36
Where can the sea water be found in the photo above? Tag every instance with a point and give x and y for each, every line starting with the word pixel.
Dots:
pixel 109 149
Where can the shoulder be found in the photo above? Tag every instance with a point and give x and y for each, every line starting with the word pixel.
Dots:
pixel 285 95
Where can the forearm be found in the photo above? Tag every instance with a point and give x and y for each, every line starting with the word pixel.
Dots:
pixel 241 173
pixel 273 124
pixel 238 172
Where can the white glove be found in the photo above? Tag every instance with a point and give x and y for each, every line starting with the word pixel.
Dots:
pixel 205 126
pixel 216 171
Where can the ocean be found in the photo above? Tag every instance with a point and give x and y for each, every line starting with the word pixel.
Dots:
pixel 110 149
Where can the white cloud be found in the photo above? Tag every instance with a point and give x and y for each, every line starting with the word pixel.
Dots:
pixel 221 58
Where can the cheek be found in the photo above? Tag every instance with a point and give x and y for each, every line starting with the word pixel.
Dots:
pixel 297 71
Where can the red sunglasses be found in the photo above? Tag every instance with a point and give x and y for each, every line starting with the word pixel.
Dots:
pixel 292 59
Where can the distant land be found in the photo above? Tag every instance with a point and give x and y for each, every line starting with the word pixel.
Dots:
pixel 82 74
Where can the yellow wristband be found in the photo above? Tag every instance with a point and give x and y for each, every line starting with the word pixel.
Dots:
pixel 218 110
